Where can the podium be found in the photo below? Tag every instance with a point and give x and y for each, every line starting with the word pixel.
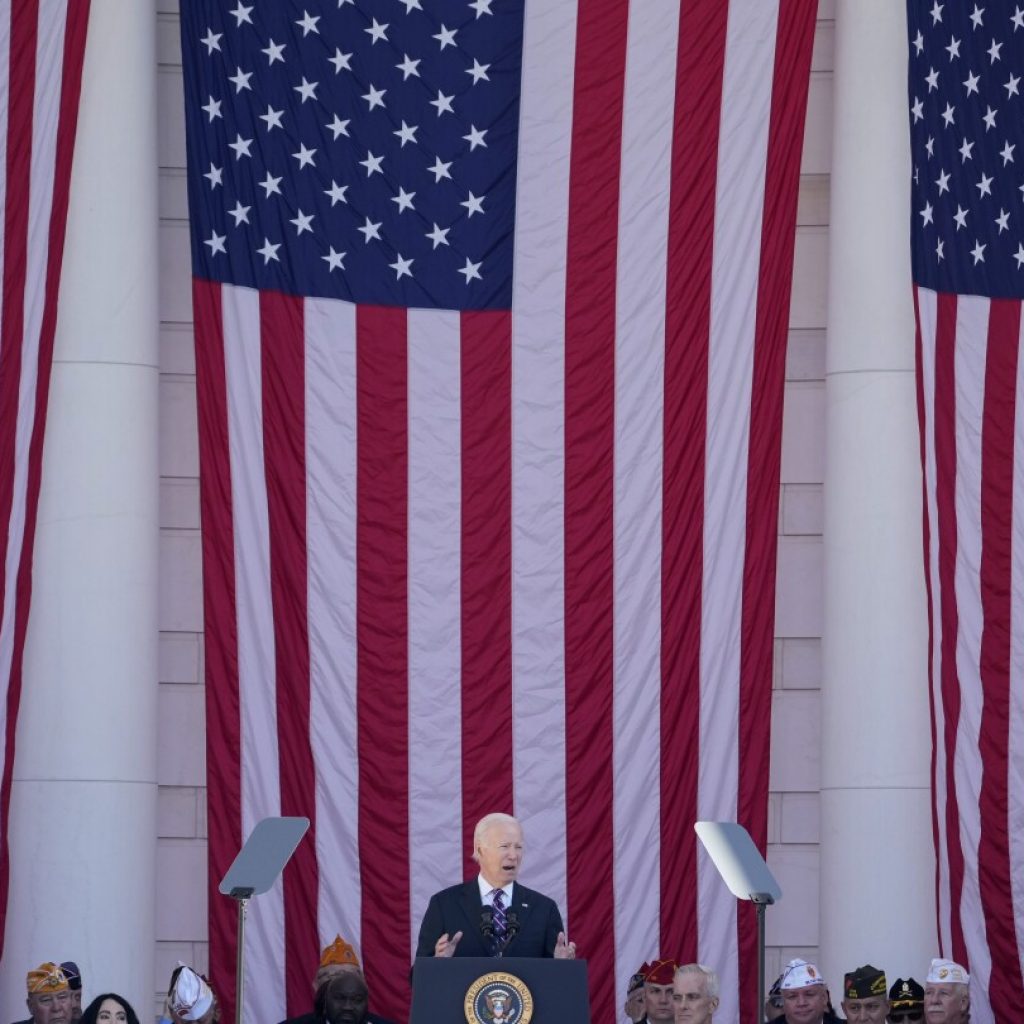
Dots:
pixel 493 990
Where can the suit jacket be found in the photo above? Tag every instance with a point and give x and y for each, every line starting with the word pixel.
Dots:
pixel 459 908
pixel 311 1018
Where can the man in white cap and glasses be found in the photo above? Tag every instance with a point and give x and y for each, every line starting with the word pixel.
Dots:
pixel 947 997
pixel 805 995
pixel 190 1000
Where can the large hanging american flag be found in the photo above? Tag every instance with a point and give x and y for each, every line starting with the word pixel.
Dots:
pixel 42 44
pixel 967 128
pixel 491 302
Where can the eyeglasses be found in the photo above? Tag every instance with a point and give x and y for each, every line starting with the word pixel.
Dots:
pixel 897 1016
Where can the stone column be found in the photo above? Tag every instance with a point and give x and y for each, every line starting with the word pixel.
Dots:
pixel 83 805
pixel 877 859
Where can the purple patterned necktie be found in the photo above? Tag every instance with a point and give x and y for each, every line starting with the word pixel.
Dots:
pixel 500 923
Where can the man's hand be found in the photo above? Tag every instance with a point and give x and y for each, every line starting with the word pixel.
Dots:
pixel 446 947
pixel 564 950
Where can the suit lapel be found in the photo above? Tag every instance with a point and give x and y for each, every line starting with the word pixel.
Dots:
pixel 522 904
pixel 471 905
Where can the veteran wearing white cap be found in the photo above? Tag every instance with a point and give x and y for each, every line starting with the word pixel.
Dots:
pixel 190 999
pixel 947 997
pixel 805 995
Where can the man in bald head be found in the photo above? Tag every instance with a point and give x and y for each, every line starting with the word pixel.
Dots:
pixel 494 914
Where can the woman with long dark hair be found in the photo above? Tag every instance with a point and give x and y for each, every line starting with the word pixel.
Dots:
pixel 109 1008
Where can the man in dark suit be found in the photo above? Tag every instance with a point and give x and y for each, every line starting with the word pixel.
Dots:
pixel 493 914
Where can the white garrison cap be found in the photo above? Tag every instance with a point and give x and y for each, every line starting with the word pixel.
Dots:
pixel 800 974
pixel 947 972
pixel 191 997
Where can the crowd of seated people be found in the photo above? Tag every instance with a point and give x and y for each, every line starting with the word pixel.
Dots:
pixel 660 992
pixel 664 992
pixel 339 996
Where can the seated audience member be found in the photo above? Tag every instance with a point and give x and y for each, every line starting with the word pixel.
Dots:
pixel 659 989
pixel 344 999
pixel 48 995
pixel 805 995
pixel 947 997
pixel 339 956
pixel 190 998
pixel 110 1008
pixel 634 1006
pixel 336 959
pixel 906 1002
pixel 74 976
pixel 773 1008
pixel 866 996
pixel 695 995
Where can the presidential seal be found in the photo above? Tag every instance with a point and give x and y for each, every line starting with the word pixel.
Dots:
pixel 498 998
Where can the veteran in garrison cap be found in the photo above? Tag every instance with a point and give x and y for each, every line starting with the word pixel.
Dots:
pixel 190 999
pixel 336 958
pixel 866 996
pixel 805 995
pixel 74 976
pixel 906 1001
pixel 947 996
pixel 659 990
pixel 773 1006
pixel 48 995
pixel 347 1000
pixel 634 1008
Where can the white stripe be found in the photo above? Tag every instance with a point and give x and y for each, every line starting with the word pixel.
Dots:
pixel 648 103
pixel 261 789
pixel 538 441
pixel 435 621
pixel 742 159
pixel 331 539
pixel 928 313
pixel 969 372
pixel 45 109
pixel 1015 749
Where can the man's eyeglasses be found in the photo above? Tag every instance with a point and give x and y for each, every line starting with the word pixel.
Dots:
pixel 898 1016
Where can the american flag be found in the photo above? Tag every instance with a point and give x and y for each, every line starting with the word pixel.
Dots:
pixel 967 128
pixel 42 43
pixel 491 303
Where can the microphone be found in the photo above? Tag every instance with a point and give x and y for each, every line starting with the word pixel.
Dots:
pixel 513 926
pixel 487 924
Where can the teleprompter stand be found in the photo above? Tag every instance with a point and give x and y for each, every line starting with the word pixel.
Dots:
pixel 748 877
pixel 254 870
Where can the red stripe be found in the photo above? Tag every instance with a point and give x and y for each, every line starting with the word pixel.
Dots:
pixel 20 94
pixel 698 97
pixel 790 81
pixel 382 632
pixel 994 870
pixel 19 138
pixel 486 597
pixel 589 469
pixel 945 494
pixel 926 527
pixel 284 452
pixel 223 712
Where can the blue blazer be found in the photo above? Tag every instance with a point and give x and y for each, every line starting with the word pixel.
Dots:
pixel 459 908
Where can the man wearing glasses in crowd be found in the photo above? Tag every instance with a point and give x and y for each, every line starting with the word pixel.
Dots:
pixel 906 1002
